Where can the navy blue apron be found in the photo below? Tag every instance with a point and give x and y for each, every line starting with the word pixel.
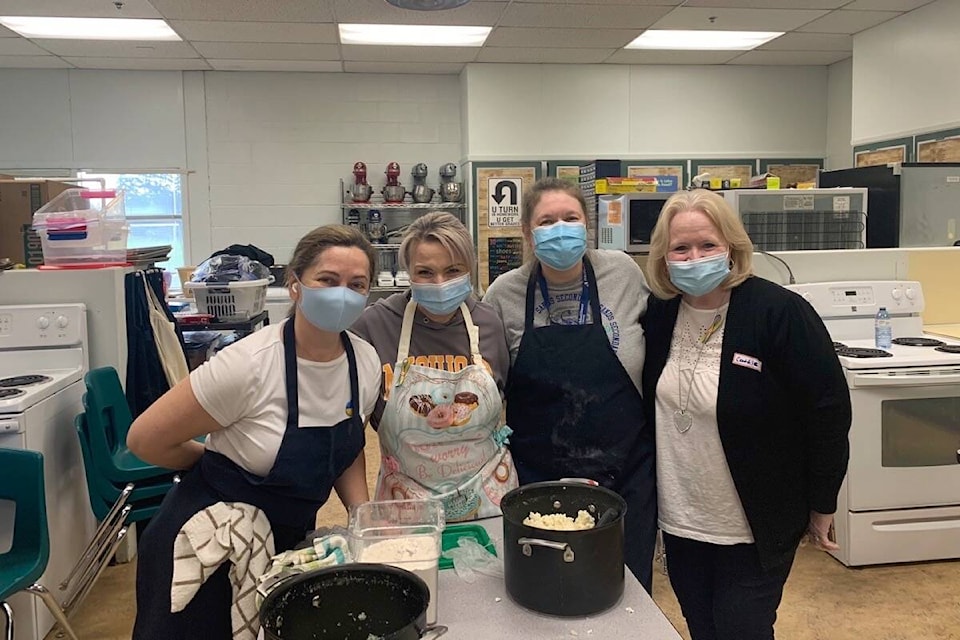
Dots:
pixel 575 412
pixel 308 462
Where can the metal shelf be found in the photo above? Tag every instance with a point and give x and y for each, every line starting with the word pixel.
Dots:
pixel 386 247
pixel 366 206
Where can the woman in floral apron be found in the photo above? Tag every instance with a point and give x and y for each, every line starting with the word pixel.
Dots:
pixel 445 361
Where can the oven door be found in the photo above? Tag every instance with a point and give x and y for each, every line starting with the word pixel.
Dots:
pixel 905 438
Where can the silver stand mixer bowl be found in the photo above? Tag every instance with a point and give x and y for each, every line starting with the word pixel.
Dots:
pixel 422 193
pixel 451 191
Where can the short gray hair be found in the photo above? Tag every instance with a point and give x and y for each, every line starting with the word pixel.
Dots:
pixel 445 229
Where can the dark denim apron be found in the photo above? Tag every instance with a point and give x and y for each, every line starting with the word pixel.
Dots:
pixel 308 462
pixel 575 412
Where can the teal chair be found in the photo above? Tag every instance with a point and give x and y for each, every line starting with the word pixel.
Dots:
pixel 21 481
pixel 108 420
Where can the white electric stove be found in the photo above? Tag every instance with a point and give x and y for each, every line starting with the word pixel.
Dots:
pixel 43 357
pixel 900 501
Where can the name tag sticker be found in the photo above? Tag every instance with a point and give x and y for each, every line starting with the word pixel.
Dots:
pixel 749 362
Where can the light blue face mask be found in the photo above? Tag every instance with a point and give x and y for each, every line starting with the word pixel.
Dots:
pixel 442 298
pixel 560 245
pixel 699 277
pixel 332 309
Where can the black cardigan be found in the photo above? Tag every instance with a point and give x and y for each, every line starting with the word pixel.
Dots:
pixel 784 427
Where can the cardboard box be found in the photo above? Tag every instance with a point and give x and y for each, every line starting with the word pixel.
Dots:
pixel 18 201
pixel 625 185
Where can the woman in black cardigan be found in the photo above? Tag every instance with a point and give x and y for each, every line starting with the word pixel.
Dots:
pixel 751 411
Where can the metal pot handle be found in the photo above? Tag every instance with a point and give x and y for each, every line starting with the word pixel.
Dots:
pixel 434 632
pixel 528 543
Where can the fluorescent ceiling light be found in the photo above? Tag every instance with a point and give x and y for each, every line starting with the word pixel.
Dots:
pixel 703 40
pixel 90 28
pixel 413 35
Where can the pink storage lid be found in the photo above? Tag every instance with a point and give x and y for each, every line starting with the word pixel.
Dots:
pixel 90 194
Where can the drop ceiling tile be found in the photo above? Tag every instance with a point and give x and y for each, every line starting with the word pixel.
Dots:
pixel 247 10
pixel 78 8
pixel 795 41
pixel 267 51
pixel 476 14
pixel 578 15
pixel 651 56
pixel 33 62
pixel 276 65
pixel 19 47
pixel 544 55
pixel 151 64
pixel 885 5
pixel 767 4
pixel 231 31
pixel 784 58
pixel 375 53
pixel 589 38
pixel 738 19
pixel 848 21
pixel 117 48
pixel 443 68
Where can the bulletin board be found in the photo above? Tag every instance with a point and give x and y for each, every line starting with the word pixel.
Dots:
pixel 882 153
pixel 791 171
pixel 939 146
pixel 725 169
pixel 637 168
pixel 566 169
pixel 498 195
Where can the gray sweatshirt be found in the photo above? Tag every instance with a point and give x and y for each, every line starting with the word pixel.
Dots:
pixel 446 346
pixel 623 301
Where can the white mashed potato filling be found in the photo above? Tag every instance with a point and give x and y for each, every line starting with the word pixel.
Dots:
pixel 560 521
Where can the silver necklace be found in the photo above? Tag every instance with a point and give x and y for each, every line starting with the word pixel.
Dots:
pixel 681 419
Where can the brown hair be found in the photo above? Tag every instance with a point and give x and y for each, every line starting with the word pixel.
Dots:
pixel 319 240
pixel 531 198
pixel 723 218
pixel 446 230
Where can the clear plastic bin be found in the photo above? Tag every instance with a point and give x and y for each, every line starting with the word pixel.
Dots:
pixel 401 533
pixel 81 228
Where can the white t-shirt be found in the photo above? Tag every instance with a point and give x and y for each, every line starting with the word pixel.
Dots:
pixel 696 495
pixel 243 389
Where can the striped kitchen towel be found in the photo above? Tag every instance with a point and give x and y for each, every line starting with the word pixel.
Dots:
pixel 231 532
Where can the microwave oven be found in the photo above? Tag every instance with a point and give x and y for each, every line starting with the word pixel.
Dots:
pixel 625 221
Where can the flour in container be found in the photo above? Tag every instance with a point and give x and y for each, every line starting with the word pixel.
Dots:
pixel 560 521
pixel 417 554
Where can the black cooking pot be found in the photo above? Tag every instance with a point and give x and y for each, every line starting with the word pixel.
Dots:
pixel 563 573
pixel 349 602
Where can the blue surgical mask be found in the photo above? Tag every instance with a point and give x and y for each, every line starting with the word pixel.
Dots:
pixel 332 309
pixel 560 245
pixel 444 297
pixel 698 277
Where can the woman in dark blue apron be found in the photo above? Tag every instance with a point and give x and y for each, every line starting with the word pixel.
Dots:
pixel 310 459
pixel 574 409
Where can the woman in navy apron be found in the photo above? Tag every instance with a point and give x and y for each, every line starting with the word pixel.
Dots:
pixel 250 398
pixel 572 321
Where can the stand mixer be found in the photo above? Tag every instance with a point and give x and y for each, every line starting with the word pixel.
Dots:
pixel 361 191
pixel 393 191
pixel 450 191
pixel 421 192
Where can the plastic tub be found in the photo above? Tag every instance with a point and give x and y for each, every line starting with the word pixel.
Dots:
pixel 229 301
pixel 401 533
pixel 82 227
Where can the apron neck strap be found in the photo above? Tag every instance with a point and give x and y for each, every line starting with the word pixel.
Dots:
pixel 406 329
pixel 588 291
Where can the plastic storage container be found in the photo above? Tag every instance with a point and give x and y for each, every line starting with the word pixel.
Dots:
pixel 229 301
pixel 83 228
pixel 402 533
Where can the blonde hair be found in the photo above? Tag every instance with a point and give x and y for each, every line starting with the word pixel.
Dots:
pixel 723 217
pixel 444 229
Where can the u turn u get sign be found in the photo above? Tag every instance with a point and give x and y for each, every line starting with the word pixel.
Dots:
pixel 503 201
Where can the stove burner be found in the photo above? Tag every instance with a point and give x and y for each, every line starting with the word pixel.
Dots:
pixel 948 348
pixel 10 393
pixel 839 345
pixel 860 352
pixel 918 342
pixel 23 381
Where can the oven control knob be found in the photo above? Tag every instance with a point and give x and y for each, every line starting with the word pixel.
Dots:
pixel 911 293
pixel 896 294
pixel 43 322
pixel 63 321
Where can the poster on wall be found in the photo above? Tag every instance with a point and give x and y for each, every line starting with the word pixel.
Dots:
pixel 881 153
pixel 792 172
pixel 940 146
pixel 677 168
pixel 725 169
pixel 498 201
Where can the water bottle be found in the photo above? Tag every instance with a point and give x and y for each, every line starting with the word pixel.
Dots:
pixel 882 331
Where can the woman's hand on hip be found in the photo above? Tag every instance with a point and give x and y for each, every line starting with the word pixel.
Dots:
pixel 819 531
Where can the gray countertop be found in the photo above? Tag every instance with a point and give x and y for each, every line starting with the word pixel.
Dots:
pixel 483 609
